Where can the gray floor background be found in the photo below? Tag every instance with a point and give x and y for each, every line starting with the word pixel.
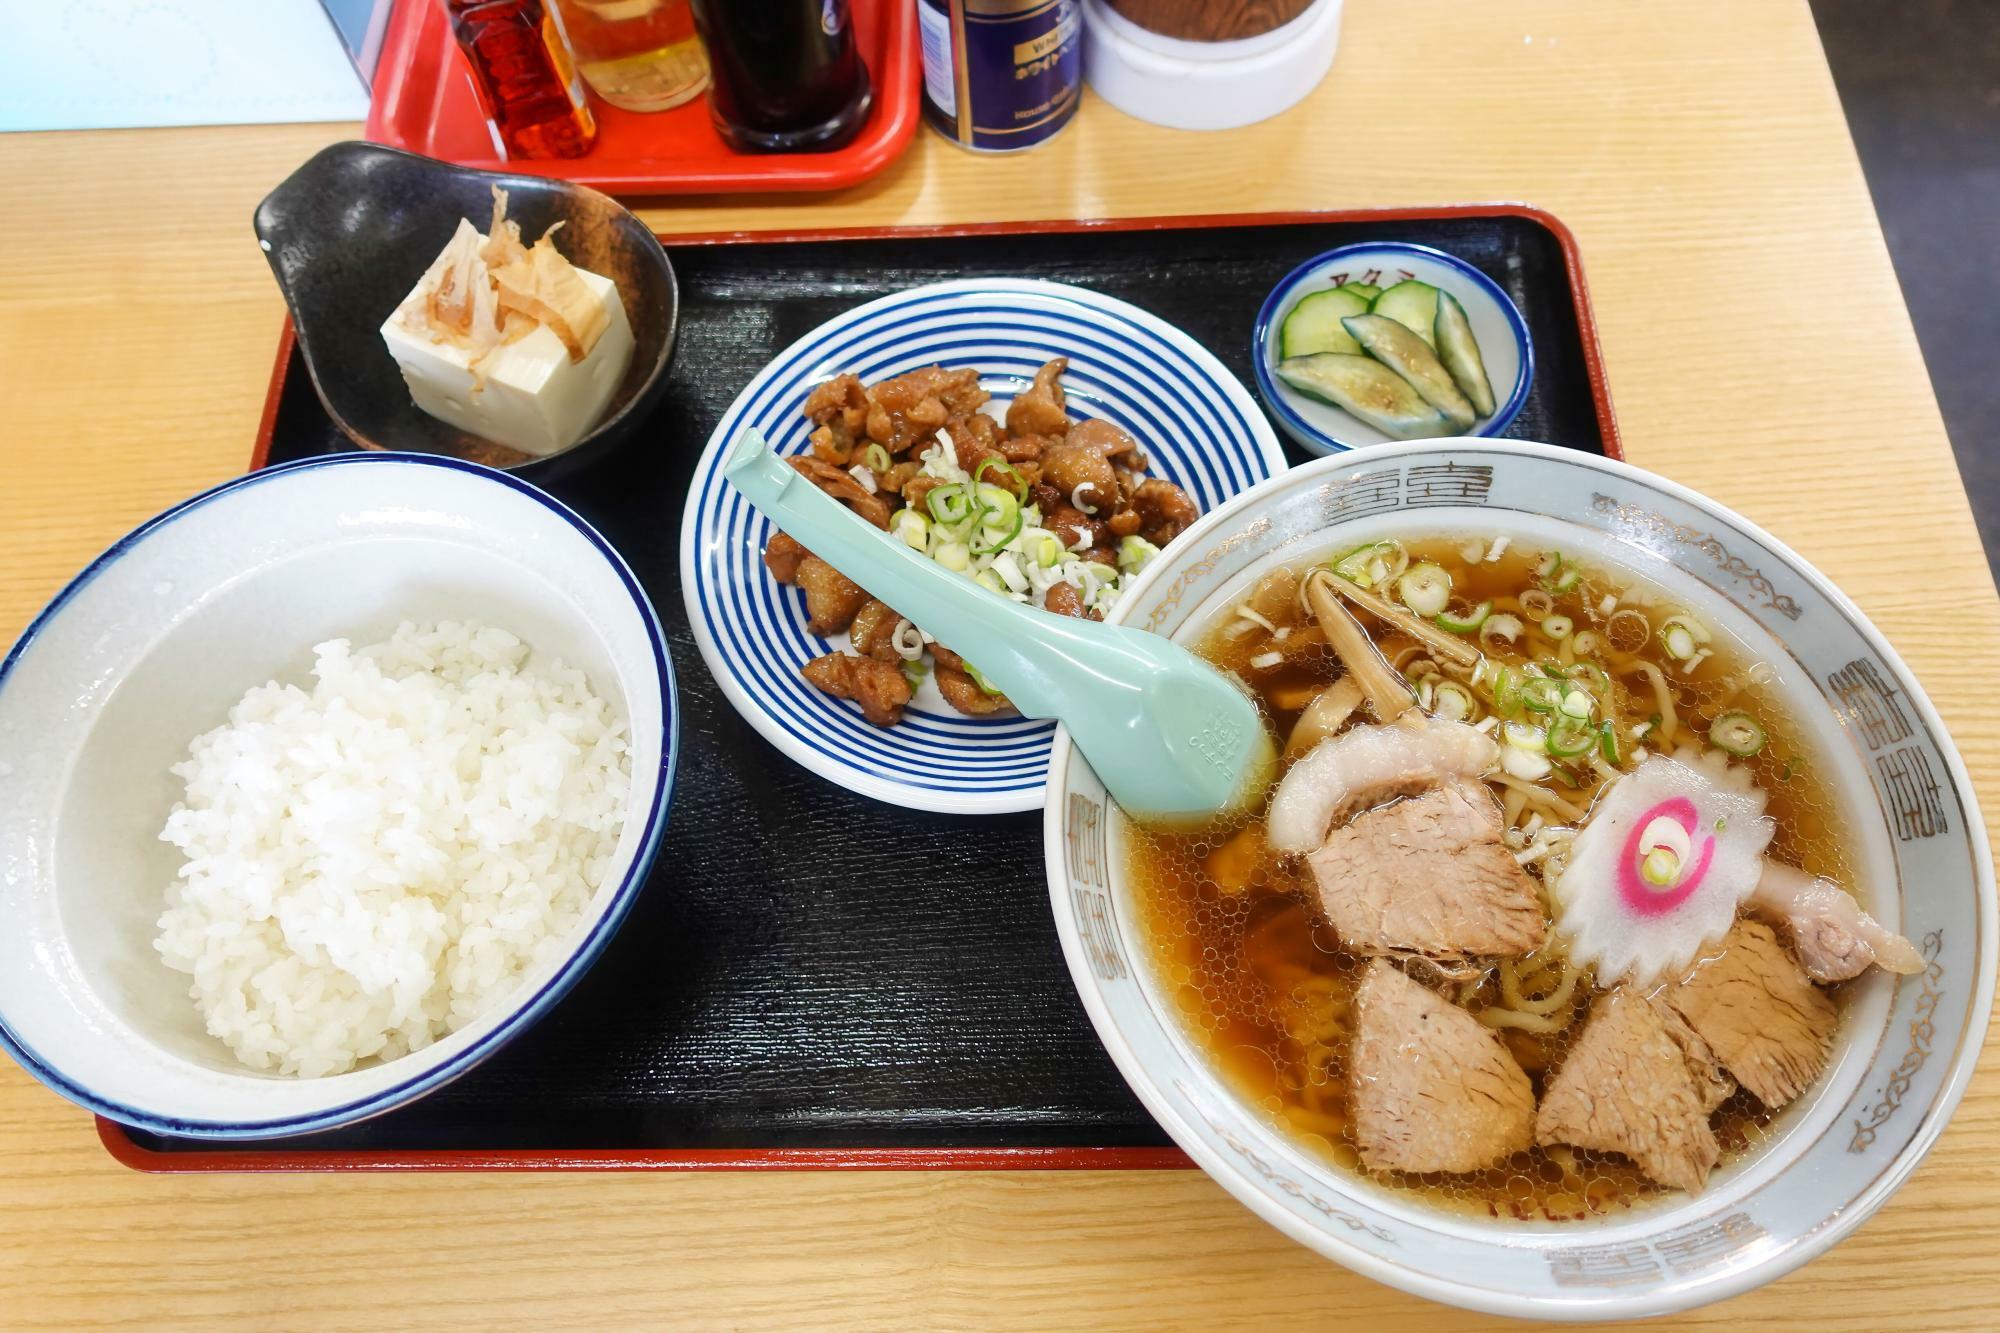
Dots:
pixel 1920 81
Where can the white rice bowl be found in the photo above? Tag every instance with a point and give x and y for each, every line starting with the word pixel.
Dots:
pixel 156 642
pixel 373 862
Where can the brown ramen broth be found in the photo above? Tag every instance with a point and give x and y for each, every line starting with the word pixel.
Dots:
pixel 1240 943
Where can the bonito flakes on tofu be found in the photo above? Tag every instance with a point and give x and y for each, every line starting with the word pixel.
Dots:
pixel 511 342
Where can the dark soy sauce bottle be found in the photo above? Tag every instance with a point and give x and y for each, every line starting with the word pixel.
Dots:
pixel 787 77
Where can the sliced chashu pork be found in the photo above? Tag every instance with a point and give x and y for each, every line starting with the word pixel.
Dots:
pixel 1761 1015
pixel 1629 1087
pixel 1712 1083
pixel 1367 765
pixel 1429 875
pixel 1431 1087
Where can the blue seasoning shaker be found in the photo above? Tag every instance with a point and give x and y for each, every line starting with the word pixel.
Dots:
pixel 1001 75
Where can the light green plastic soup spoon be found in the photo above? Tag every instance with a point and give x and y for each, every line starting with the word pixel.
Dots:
pixel 1174 740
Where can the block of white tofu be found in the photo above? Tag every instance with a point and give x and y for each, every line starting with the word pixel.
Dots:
pixel 528 394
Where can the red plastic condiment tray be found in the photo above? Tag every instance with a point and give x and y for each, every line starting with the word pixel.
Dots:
pixel 424 102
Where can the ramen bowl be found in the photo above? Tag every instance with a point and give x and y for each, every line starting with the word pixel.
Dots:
pixel 1906 1045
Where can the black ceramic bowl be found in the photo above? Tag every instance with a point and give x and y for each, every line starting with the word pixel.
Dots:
pixel 350 232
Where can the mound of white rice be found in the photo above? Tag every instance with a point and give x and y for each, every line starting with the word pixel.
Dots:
pixel 372 864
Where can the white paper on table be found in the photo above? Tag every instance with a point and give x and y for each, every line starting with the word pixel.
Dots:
pixel 106 64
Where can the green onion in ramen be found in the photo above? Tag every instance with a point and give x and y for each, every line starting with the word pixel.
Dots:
pixel 1550 912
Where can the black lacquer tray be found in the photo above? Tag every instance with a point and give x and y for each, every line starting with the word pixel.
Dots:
pixel 811 978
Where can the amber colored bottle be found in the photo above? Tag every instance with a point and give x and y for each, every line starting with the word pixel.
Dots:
pixel 531 95
pixel 641 55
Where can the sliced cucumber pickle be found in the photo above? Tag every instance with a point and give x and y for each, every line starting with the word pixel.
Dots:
pixel 1459 351
pixel 1367 291
pixel 1412 304
pixel 1409 356
pixel 1314 324
pixel 1367 389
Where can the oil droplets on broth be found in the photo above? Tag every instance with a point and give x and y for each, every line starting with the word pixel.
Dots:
pixel 1239 941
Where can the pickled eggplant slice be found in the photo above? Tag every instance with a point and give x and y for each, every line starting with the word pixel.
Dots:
pixel 1314 324
pixel 1459 351
pixel 1411 357
pixel 1367 291
pixel 1368 390
pixel 1412 304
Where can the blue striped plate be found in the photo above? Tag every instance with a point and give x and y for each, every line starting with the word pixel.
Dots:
pixel 1199 426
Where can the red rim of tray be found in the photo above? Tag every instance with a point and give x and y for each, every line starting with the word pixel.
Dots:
pixel 423 102
pixel 127 1151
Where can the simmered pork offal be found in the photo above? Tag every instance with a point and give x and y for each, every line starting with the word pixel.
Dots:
pixel 1549 913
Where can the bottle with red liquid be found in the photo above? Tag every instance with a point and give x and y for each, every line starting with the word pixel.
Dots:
pixel 534 102
pixel 785 74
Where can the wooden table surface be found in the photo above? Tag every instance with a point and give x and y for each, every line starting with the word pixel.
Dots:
pixel 1758 349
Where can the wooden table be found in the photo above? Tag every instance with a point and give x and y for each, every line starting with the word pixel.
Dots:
pixel 1758 349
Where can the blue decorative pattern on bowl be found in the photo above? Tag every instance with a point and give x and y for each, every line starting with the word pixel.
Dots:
pixel 1197 424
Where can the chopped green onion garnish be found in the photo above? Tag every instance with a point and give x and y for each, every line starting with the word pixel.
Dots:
pixel 1558 627
pixel 1738 733
pixel 1577 704
pixel 1526 765
pixel 1556 576
pixel 988 542
pixel 1009 570
pixel 1366 565
pixel 1682 637
pixel 990 581
pixel 1134 552
pixel 876 457
pixel 1607 743
pixel 997 505
pixel 955 556
pixel 1541 694
pixel 1017 483
pixel 1425 589
pixel 980 680
pixel 1507 692
pixel 1464 621
pixel 1592 675
pixel 1451 701
pixel 912 527
pixel 949 504
pixel 1569 737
